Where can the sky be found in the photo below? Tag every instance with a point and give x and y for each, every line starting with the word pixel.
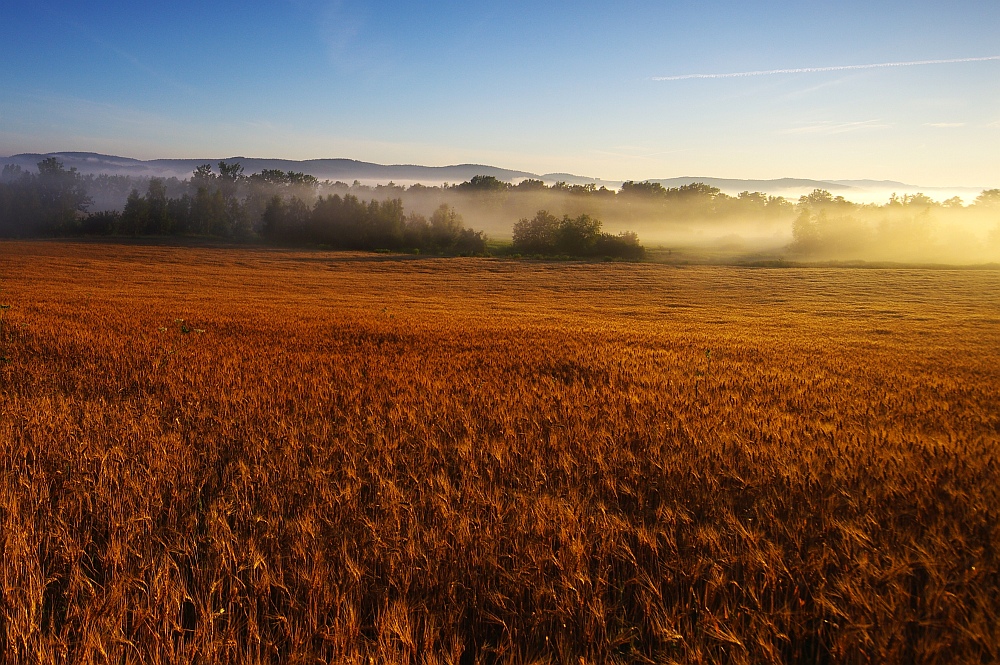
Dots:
pixel 603 89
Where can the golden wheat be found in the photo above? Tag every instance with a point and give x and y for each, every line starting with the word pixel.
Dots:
pixel 249 456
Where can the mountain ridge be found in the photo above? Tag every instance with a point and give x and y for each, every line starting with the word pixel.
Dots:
pixel 348 170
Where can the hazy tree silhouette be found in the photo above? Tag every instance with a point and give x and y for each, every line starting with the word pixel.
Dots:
pixel 545 234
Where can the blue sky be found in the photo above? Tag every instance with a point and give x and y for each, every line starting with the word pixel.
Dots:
pixel 542 87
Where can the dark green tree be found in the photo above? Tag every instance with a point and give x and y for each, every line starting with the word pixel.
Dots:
pixel 417 232
pixel 135 214
pixel 483 183
pixel 530 185
pixel 694 190
pixel 286 220
pixel 646 190
pixel 446 224
pixel 62 195
pixel 578 236
pixel 157 220
pixel 203 176
pixel 538 235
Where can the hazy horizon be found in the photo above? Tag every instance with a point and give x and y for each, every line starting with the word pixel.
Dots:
pixel 861 190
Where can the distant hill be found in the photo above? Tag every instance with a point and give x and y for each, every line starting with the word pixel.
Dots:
pixel 734 185
pixel 349 170
pixel 873 184
pixel 570 179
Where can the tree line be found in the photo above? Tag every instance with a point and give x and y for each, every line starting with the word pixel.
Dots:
pixel 204 203
pixel 296 208
pixel 347 222
pixel 694 200
pixel 280 207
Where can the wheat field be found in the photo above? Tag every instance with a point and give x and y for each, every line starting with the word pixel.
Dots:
pixel 233 455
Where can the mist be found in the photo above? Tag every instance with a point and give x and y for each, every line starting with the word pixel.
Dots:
pixel 702 224
pixel 694 222
pixel 907 229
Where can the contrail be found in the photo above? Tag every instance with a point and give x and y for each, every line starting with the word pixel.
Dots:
pixel 807 70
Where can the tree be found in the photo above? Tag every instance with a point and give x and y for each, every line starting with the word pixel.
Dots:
pixel 545 234
pixel 203 176
pixel 918 200
pixel 694 190
pixel 270 177
pixel 277 177
pixel 101 223
pixel 389 189
pixel 231 172
pixel 179 215
pixel 62 196
pixel 776 205
pixel 302 180
pixel 649 190
pixel 484 183
pixel 625 245
pixel 339 222
pixel 285 220
pixel 384 225
pixel 11 172
pixel 530 185
pixel 829 229
pixel 133 219
pixel 989 198
pixel 157 219
pixel 805 231
pixel 208 211
pixel 820 199
pixel 417 232
pixel 751 201
pixel 446 224
pixel 538 235
pixel 817 197
pixel 469 242
pixel 578 236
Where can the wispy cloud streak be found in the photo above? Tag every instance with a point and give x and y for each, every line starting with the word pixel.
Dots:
pixel 810 70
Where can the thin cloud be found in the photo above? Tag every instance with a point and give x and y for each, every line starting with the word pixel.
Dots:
pixel 944 125
pixel 811 70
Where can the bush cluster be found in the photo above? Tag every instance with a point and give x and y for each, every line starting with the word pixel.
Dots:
pixel 545 234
